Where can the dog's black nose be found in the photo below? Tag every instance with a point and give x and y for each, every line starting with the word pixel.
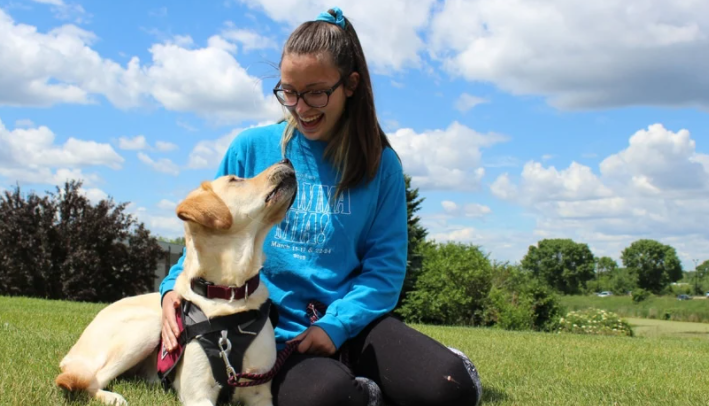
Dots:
pixel 286 161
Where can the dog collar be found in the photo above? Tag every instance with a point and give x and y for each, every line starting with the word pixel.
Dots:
pixel 209 290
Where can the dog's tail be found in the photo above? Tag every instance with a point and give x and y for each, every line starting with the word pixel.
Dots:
pixel 77 377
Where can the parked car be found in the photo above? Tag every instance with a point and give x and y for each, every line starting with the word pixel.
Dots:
pixel 707 295
pixel 684 297
pixel 605 293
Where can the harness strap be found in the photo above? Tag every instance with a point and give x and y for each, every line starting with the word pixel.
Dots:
pixel 237 341
pixel 194 325
pixel 313 311
pixel 220 323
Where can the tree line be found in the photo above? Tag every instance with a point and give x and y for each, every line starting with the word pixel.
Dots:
pixel 60 246
pixel 456 283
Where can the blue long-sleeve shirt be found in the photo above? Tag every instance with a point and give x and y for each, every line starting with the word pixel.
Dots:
pixel 348 253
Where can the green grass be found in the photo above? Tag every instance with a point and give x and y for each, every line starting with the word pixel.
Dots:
pixel 661 328
pixel 34 336
pixel 655 307
pixel 517 368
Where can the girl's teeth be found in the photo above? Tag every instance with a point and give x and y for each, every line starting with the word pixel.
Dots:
pixel 310 119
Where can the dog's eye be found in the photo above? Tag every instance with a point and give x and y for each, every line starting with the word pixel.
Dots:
pixel 235 179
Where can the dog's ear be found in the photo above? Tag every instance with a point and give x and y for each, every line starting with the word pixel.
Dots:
pixel 206 208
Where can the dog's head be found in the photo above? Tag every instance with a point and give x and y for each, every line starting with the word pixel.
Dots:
pixel 229 204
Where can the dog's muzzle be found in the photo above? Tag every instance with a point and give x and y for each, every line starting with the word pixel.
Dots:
pixel 284 180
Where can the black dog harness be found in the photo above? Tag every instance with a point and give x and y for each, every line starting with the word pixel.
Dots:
pixel 224 339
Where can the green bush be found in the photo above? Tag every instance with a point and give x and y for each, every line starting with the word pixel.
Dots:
pixel 640 294
pixel 595 322
pixel 452 287
pixel 507 311
pixel 519 301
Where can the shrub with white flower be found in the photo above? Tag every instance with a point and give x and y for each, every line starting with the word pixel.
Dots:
pixel 595 321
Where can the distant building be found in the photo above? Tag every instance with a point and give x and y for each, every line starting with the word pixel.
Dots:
pixel 173 252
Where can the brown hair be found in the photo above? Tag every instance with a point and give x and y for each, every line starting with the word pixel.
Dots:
pixel 357 143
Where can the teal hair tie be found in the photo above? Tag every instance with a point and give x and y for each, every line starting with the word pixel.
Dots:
pixel 338 19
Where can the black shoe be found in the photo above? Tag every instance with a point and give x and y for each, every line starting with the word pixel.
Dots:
pixel 371 387
pixel 473 374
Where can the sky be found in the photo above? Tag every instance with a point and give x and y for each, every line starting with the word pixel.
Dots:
pixel 517 120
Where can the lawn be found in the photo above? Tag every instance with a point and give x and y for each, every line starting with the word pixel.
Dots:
pixel 655 307
pixel 661 328
pixel 517 368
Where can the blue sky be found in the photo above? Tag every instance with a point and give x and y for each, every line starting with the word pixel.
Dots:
pixel 517 120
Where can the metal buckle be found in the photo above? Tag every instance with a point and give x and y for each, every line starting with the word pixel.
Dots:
pixel 224 353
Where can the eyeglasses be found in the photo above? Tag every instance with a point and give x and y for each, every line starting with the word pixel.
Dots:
pixel 313 98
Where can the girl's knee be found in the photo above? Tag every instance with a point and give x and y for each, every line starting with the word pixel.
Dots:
pixel 459 385
pixel 319 381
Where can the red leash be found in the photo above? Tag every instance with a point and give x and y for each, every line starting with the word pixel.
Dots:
pixel 314 310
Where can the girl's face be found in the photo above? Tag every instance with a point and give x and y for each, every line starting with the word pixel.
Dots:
pixel 300 73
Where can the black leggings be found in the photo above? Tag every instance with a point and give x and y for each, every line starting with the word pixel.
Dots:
pixel 410 368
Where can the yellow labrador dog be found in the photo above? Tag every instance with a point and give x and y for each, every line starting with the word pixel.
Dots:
pixel 226 222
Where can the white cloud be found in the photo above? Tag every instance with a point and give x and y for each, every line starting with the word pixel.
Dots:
pixel 577 182
pixel 588 54
pixel 501 162
pixel 136 143
pixel 474 210
pixel 209 82
pixel 42 69
pixel 94 195
pixel 59 67
pixel 66 11
pixel 500 244
pixel 182 41
pixel 162 165
pixel 449 206
pixel 186 126
pixel 34 148
pixel 158 12
pixel 50 2
pixel 447 159
pixel 504 188
pixel 658 161
pixel 63 175
pixel 164 225
pixel 45 175
pixel 139 143
pixel 466 102
pixel 248 39
pixel 209 153
pixel 170 226
pixel 165 204
pixel 390 36
pixel 655 188
pixel 29 155
pixel 24 123
pixel 165 146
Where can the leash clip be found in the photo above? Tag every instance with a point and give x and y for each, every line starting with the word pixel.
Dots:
pixel 225 349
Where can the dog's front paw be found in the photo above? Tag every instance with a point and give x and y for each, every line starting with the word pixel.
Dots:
pixel 110 398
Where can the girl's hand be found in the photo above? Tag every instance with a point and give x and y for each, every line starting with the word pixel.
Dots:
pixel 315 340
pixel 170 331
